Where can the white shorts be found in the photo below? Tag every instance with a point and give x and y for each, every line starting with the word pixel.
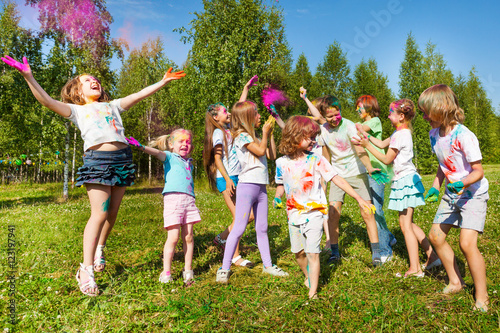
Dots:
pixel 307 234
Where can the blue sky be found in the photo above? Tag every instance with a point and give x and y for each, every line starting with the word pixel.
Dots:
pixel 466 33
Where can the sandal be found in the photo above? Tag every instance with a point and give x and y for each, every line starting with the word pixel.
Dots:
pixel 90 283
pixel 220 242
pixel 245 263
pixel 99 260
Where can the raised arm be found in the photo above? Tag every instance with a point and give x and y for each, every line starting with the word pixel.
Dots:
pixel 251 83
pixel 271 151
pixel 131 100
pixel 41 95
pixel 314 111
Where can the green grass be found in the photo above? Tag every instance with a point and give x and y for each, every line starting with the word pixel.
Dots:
pixel 354 297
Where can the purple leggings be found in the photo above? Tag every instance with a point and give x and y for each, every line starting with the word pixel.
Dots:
pixel 249 196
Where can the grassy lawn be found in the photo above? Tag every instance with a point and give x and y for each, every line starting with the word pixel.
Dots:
pixel 353 296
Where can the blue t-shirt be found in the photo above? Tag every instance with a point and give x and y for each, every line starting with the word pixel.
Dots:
pixel 178 174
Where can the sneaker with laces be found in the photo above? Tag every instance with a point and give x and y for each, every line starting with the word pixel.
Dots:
pixel 274 270
pixel 377 261
pixel 223 275
pixel 188 277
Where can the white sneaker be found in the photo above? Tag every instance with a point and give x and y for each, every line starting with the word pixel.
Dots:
pixel 384 259
pixel 274 270
pixel 188 277
pixel 223 275
pixel 165 278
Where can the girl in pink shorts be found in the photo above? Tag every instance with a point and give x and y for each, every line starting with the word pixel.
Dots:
pixel 179 210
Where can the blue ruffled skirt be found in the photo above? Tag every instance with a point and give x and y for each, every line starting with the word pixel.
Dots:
pixel 111 168
pixel 407 192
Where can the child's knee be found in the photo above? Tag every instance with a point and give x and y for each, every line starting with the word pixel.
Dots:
pixel 189 239
pixel 436 236
pixel 468 245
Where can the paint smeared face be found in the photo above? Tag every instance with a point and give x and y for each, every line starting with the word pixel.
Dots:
pixel 395 117
pixel 361 111
pixel 90 88
pixel 223 117
pixel 181 143
pixel 333 116
pixel 307 143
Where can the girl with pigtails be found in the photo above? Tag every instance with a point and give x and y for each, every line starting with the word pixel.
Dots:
pixel 107 162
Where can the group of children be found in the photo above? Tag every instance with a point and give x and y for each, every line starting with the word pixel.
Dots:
pixel 351 156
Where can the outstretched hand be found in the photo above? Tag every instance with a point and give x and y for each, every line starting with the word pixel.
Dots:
pixel 133 142
pixel 253 81
pixel 380 177
pixel 173 76
pixel 24 67
pixel 432 195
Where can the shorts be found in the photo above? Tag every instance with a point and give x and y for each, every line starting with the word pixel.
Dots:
pixel 111 168
pixel 221 183
pixel 179 208
pixel 359 183
pixel 465 213
pixel 307 235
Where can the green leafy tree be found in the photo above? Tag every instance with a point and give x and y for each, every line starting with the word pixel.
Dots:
pixel 148 118
pixel 20 129
pixel 368 80
pixel 231 42
pixel 332 77
pixel 412 83
pixel 479 115
pixel 300 77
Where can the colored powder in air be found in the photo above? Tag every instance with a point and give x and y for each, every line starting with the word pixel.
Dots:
pixel 274 96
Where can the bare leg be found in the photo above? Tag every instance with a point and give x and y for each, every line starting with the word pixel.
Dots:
pixel 314 270
pixel 424 244
pixel 301 259
pixel 188 245
pixel 117 193
pixel 405 222
pixel 477 267
pixel 371 225
pixel 334 211
pixel 437 236
pixel 169 248
pixel 99 197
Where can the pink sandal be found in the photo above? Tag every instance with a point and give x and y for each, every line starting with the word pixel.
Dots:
pixel 90 283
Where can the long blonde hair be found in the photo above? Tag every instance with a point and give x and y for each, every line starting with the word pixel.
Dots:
pixel 208 150
pixel 72 93
pixel 440 103
pixel 243 119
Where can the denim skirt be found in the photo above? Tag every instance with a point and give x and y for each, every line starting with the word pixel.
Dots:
pixel 111 168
